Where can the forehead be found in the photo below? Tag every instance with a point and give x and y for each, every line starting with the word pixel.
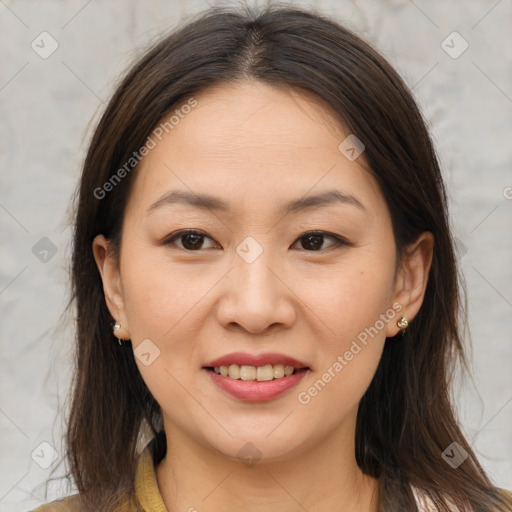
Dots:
pixel 258 112
pixel 253 142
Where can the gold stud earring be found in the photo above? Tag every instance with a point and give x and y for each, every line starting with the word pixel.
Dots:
pixel 403 323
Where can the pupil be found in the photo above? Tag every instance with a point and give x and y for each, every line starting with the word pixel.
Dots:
pixel 196 241
pixel 314 239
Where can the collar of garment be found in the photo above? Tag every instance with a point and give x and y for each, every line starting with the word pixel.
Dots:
pixel 147 493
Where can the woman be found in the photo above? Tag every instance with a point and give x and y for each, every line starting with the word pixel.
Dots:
pixel 266 286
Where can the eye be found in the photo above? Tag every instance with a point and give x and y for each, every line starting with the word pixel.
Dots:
pixel 312 241
pixel 191 240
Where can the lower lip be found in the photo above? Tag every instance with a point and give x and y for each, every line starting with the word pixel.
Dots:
pixel 256 391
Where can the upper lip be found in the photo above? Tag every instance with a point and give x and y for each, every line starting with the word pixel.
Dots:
pixel 241 358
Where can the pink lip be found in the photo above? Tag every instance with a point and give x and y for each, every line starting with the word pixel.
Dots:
pixel 254 391
pixel 241 358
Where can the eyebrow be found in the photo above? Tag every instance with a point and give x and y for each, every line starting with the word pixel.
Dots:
pixel 209 202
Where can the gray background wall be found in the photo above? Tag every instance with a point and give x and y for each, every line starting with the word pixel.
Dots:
pixel 46 108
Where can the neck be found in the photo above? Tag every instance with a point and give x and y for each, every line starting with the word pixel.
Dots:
pixel 324 477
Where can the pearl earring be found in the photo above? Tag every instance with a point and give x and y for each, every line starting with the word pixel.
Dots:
pixel 117 327
pixel 403 323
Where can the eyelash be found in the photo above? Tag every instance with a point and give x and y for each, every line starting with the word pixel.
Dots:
pixel 338 241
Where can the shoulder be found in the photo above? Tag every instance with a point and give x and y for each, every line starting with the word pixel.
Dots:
pixel 73 504
pixel 506 493
pixel 425 504
pixel 147 493
pixel 69 504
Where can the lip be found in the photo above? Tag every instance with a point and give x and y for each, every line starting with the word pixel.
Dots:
pixel 241 358
pixel 255 391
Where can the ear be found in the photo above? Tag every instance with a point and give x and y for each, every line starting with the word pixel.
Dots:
pixel 411 279
pixel 112 286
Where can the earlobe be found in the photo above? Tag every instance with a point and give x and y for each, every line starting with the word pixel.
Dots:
pixel 412 278
pixel 110 276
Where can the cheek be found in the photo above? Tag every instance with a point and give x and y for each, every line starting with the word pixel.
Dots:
pixel 354 308
pixel 351 301
pixel 346 361
pixel 158 294
pixel 161 303
pixel 166 303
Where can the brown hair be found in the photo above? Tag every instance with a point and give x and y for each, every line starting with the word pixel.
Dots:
pixel 405 419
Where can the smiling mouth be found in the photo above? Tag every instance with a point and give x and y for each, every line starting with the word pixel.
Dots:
pixel 264 373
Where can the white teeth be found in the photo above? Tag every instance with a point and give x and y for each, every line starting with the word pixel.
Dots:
pixel 265 372
pixel 247 372
pixel 278 371
pixel 259 373
pixel 234 371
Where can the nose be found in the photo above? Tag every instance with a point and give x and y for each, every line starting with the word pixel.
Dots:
pixel 256 296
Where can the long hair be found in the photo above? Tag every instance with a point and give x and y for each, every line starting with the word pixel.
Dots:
pixel 405 419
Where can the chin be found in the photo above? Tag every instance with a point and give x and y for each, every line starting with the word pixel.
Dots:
pixel 251 447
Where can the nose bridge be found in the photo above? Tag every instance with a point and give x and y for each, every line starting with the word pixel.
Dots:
pixel 255 297
pixel 253 269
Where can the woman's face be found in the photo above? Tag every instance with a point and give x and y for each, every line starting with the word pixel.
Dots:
pixel 250 286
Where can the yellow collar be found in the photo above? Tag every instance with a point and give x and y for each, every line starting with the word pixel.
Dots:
pixel 147 492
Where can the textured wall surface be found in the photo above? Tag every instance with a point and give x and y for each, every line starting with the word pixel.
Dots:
pixel 59 63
